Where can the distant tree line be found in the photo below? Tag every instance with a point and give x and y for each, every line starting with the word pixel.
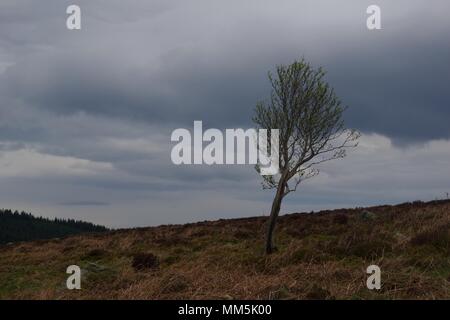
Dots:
pixel 22 226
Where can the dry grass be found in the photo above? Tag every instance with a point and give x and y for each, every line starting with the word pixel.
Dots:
pixel 320 256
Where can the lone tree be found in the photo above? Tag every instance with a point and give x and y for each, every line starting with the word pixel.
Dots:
pixel 311 130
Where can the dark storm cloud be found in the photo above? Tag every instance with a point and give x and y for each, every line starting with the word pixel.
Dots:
pixel 183 91
pixel 394 81
pixel 400 90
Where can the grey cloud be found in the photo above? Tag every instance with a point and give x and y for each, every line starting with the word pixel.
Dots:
pixel 84 203
pixel 398 75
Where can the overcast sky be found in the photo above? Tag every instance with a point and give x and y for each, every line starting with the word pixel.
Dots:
pixel 86 116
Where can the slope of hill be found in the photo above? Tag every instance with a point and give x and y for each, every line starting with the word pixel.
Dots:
pixel 320 256
pixel 15 226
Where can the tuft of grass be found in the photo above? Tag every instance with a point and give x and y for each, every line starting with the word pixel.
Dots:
pixel 437 236
pixel 145 261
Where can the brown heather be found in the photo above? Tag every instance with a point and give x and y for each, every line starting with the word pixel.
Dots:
pixel 320 256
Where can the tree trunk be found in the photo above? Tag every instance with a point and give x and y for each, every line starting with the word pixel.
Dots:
pixel 276 206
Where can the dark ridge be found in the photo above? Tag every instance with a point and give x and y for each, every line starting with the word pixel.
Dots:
pixel 22 226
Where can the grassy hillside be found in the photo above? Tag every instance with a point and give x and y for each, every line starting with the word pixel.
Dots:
pixel 320 256
pixel 15 226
